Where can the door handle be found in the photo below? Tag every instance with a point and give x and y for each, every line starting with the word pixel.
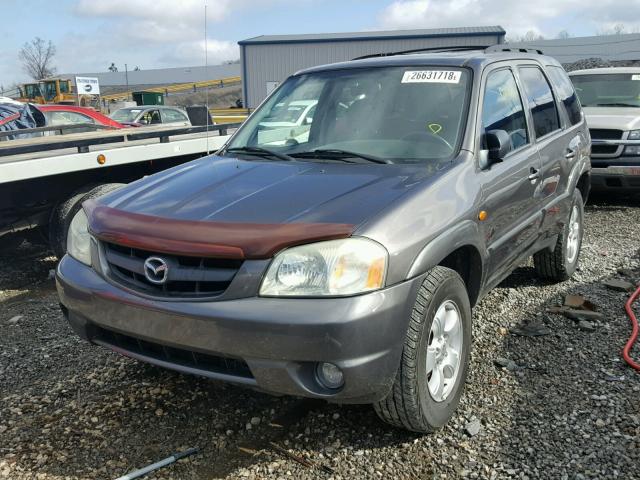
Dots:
pixel 535 174
pixel 570 153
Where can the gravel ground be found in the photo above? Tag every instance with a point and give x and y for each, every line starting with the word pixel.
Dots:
pixel 565 406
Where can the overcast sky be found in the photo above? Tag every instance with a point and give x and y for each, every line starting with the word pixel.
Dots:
pixel 90 34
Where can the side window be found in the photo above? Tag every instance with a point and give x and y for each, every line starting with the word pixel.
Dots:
pixel 66 118
pixel 567 93
pixel 541 101
pixel 150 117
pixel 502 108
pixel 174 116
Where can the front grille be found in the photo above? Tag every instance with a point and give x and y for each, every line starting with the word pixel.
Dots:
pixel 605 134
pixel 175 356
pixel 604 149
pixel 187 277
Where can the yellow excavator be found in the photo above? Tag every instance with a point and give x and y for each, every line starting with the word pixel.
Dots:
pixel 48 91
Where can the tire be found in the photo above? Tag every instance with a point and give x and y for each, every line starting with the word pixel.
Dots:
pixel 561 263
pixel 410 403
pixel 65 211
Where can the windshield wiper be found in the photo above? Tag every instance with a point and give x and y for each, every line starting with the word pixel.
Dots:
pixel 618 104
pixel 338 154
pixel 260 152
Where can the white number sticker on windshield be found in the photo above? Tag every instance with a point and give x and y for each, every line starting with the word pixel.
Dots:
pixel 431 76
pixel 635 77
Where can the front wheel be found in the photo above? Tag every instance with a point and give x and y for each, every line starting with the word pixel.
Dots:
pixel 64 212
pixel 561 263
pixel 435 356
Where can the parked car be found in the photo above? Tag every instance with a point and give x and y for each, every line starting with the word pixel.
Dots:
pixel 293 114
pixel 71 115
pixel 345 266
pixel 16 116
pixel 291 119
pixel 611 101
pixel 151 115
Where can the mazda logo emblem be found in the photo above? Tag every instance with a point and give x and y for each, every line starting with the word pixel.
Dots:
pixel 156 270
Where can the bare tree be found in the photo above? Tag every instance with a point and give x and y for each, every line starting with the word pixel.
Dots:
pixel 112 67
pixel 37 58
pixel 563 35
pixel 532 36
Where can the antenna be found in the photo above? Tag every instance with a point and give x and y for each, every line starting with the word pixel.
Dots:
pixel 206 68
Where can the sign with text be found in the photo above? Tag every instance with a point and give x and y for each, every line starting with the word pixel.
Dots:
pixel 87 86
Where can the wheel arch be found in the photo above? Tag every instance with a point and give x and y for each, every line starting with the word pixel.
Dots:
pixel 584 185
pixel 459 249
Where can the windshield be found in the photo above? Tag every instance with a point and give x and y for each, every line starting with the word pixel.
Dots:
pixel 291 113
pixel 608 90
pixel 125 115
pixel 399 114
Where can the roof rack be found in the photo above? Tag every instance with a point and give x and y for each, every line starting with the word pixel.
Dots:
pixel 426 49
pixel 488 49
pixel 498 48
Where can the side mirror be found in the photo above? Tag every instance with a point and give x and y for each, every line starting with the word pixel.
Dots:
pixel 498 143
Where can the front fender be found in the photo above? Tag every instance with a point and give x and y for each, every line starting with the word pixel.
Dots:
pixel 463 234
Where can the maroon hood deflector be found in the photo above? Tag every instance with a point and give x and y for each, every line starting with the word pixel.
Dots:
pixel 203 238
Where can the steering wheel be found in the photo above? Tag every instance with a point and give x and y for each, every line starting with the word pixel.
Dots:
pixel 421 136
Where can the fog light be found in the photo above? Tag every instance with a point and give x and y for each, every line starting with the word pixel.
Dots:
pixel 329 375
pixel 632 150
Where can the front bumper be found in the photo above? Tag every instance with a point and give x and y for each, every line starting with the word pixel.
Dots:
pixel 617 177
pixel 280 340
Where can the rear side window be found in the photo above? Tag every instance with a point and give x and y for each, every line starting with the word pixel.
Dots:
pixel 502 108
pixel 66 118
pixel 541 101
pixel 174 116
pixel 567 94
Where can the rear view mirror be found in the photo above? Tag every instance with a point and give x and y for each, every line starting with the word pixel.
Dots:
pixel 498 143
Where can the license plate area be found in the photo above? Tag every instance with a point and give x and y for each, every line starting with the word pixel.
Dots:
pixel 626 171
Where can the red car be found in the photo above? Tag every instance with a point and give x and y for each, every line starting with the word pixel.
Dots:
pixel 70 115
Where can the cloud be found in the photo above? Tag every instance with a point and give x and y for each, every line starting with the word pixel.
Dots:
pixel 192 53
pixel 158 21
pixel 545 17
pixel 155 33
pixel 165 12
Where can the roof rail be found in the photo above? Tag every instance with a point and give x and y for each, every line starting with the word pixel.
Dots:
pixel 426 49
pixel 498 48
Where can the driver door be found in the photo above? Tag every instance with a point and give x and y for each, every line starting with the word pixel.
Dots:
pixel 509 186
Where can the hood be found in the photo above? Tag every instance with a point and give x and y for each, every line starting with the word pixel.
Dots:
pixel 616 118
pixel 229 190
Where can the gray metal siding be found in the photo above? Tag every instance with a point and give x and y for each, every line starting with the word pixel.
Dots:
pixel 161 76
pixel 375 35
pixel 264 63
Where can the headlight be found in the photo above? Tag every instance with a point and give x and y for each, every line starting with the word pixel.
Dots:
pixel 79 239
pixel 634 135
pixel 333 268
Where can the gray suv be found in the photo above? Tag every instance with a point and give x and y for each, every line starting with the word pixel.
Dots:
pixel 341 259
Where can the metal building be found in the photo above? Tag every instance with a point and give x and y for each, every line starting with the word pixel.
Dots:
pixel 607 47
pixel 161 76
pixel 268 60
